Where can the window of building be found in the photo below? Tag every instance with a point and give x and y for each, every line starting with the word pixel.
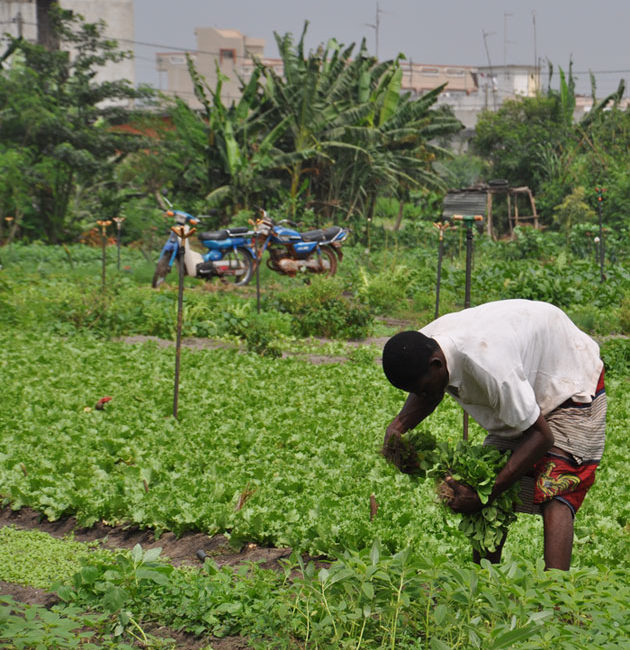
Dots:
pixel 454 72
pixel 430 72
pixel 227 55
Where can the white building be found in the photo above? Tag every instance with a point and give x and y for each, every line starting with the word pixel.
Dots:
pixel 30 19
pixel 228 49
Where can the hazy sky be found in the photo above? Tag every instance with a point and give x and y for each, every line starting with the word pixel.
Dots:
pixel 595 34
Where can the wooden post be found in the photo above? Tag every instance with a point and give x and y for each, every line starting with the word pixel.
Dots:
pixel 442 227
pixel 600 197
pixel 119 221
pixel 182 233
pixel 489 214
pixel 468 220
pixel 103 224
pixel 533 204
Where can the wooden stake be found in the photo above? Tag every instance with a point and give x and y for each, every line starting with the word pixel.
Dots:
pixel 180 231
pixel 103 224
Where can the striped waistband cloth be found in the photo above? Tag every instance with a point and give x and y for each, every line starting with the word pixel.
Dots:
pixel 578 429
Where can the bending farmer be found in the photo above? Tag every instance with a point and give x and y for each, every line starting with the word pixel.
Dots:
pixel 534 381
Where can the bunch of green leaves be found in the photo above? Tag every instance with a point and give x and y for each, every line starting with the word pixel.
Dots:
pixel 616 355
pixel 116 585
pixel 408 600
pixel 321 309
pixel 363 599
pixel 140 587
pixel 411 453
pixel 478 466
pixel 26 626
pixel 19 548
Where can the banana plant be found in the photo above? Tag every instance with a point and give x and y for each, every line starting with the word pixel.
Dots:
pixel 238 138
pixel 314 98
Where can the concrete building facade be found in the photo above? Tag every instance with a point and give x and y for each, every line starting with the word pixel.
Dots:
pixel 469 89
pixel 226 50
pixel 30 19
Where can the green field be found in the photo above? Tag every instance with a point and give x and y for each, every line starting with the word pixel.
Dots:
pixel 280 452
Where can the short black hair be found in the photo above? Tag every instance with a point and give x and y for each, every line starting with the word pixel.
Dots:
pixel 406 358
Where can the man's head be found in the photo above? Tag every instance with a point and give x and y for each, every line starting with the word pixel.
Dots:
pixel 406 358
pixel 415 363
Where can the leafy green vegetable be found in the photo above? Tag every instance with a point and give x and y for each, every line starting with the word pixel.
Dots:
pixel 478 466
pixel 418 453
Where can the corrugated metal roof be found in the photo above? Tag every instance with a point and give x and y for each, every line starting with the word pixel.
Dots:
pixel 465 203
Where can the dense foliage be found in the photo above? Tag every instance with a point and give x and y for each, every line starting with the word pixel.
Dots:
pixel 536 141
pixel 282 451
pixel 363 599
pixel 58 149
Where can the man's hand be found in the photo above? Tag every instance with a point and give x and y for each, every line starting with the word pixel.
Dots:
pixel 464 499
pixel 399 452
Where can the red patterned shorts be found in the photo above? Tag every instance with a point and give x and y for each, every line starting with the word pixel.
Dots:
pixel 560 478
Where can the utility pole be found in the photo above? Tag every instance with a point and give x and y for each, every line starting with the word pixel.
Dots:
pixel 20 23
pixel 490 71
pixel 19 19
pixel 376 26
pixel 506 15
pixel 535 42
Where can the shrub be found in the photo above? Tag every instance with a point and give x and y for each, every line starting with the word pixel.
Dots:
pixel 616 356
pixel 320 309
pixel 385 290
pixel 260 331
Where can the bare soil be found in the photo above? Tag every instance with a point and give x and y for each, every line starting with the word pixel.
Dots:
pixel 178 551
pixel 214 344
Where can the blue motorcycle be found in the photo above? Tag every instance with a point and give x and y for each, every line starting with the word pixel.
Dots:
pixel 291 251
pixel 229 253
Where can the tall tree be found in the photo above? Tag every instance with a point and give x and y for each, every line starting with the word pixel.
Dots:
pixel 351 132
pixel 53 105
pixel 313 98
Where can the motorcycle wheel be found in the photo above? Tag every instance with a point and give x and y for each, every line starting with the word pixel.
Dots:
pixel 162 269
pixel 329 260
pixel 245 261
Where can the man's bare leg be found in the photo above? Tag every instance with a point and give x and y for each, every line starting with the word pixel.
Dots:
pixel 558 525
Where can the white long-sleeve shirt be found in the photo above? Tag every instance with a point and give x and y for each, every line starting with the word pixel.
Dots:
pixel 510 360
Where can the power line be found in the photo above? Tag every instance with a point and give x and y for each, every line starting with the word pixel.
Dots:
pixel 175 48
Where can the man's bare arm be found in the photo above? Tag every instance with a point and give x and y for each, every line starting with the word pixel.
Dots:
pixel 415 409
pixel 538 439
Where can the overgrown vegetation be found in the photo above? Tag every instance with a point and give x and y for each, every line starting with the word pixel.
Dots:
pixel 276 450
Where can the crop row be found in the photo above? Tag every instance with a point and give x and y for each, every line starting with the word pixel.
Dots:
pixel 279 452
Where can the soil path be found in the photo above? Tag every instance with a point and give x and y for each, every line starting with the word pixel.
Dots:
pixel 214 344
pixel 178 551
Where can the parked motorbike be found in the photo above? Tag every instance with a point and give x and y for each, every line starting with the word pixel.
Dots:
pixel 229 255
pixel 290 251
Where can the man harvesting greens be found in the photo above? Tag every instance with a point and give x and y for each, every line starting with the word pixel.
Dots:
pixel 534 381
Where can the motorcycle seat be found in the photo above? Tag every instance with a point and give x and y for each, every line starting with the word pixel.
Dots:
pixel 213 234
pixel 220 235
pixel 332 232
pixel 321 235
pixel 313 235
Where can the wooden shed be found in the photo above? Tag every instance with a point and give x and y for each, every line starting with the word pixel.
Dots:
pixel 479 199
